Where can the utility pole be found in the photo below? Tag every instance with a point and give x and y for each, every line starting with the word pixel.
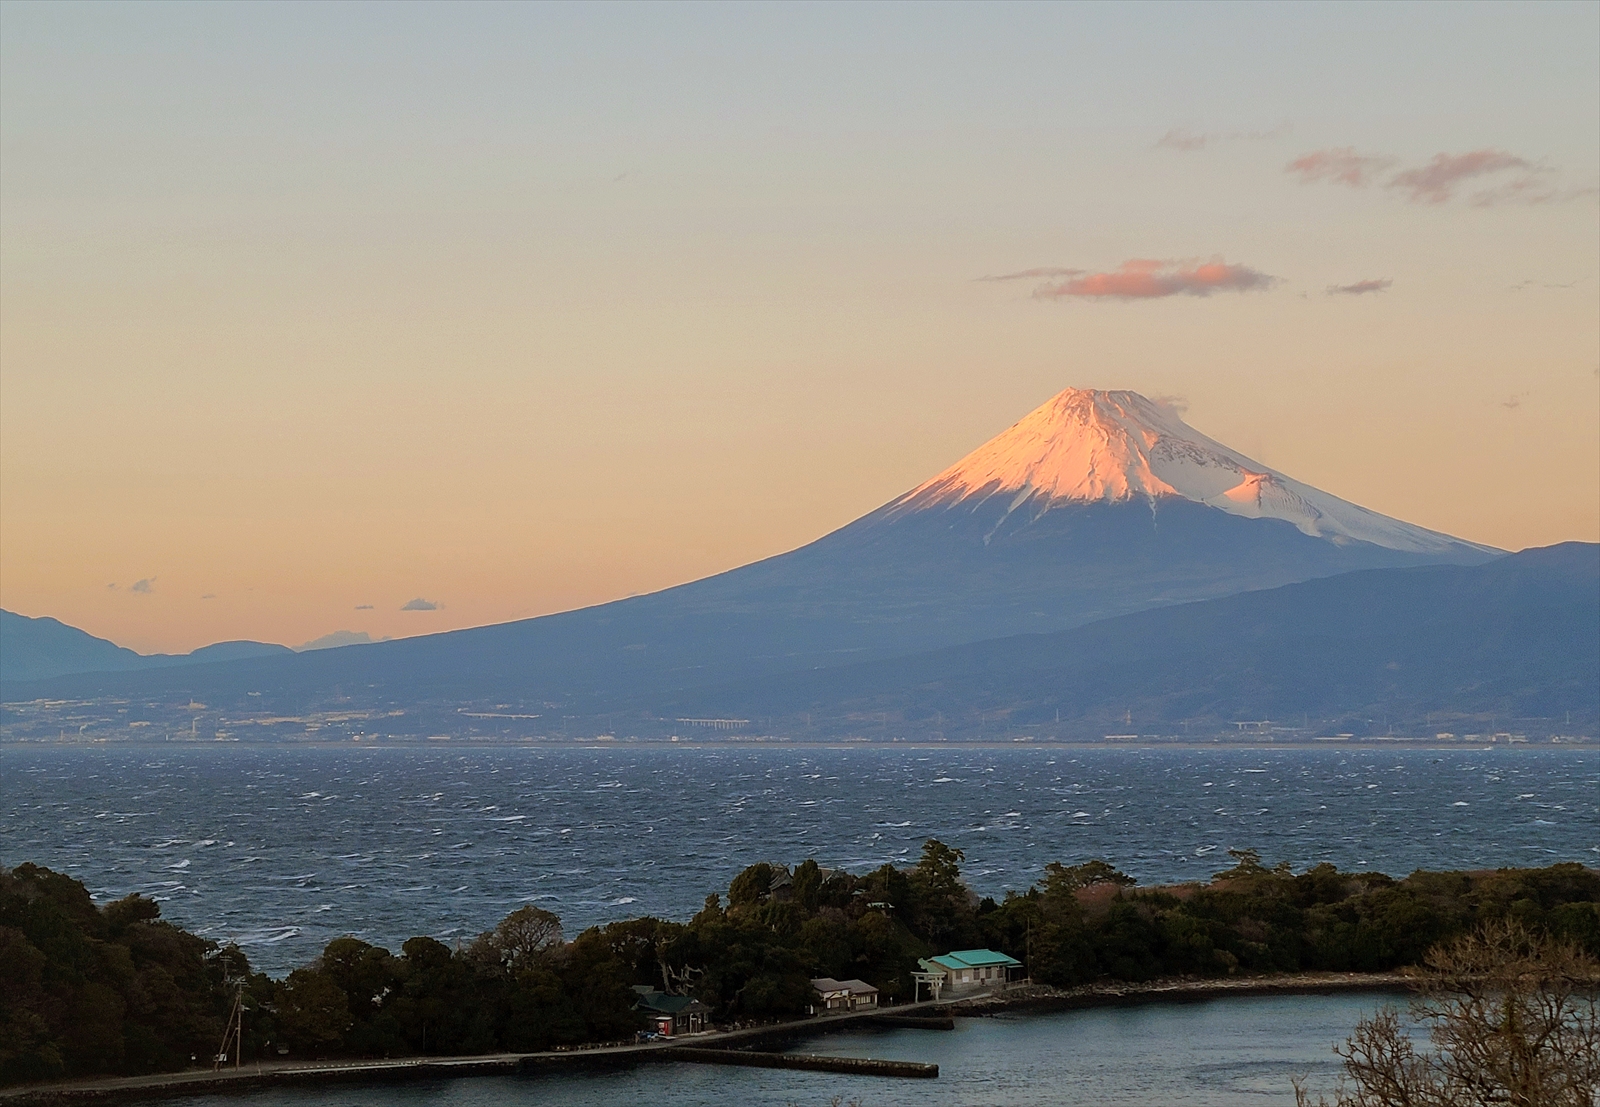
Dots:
pixel 233 1033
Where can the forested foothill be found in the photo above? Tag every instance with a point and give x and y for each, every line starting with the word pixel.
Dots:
pixel 88 989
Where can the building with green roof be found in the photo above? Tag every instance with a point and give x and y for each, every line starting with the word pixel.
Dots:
pixel 964 970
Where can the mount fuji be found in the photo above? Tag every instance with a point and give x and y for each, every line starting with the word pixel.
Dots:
pixel 1089 447
pixel 1097 504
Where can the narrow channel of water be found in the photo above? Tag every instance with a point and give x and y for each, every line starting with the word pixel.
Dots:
pixel 1234 1052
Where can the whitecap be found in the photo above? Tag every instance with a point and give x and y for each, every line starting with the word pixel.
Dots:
pixel 1461 803
pixel 623 900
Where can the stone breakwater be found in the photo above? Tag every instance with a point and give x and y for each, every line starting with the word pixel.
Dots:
pixel 858 1066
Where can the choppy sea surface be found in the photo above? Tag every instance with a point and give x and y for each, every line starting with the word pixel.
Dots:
pixel 1237 1052
pixel 283 848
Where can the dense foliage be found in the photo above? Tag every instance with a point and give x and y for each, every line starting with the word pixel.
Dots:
pixel 116 989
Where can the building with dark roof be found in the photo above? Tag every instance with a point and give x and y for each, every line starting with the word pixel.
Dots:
pixel 671 1014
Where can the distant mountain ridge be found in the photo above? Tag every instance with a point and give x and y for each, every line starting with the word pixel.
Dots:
pixel 1096 505
pixel 38 649
pixel 1514 639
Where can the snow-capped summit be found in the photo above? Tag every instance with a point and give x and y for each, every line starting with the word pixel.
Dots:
pixel 1088 446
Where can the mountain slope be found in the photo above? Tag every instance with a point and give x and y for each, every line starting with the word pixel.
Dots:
pixel 1514 639
pixel 950 562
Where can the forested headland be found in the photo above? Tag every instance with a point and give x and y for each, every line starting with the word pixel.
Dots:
pixel 88 989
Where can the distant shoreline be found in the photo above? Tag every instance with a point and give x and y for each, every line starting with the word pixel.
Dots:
pixel 831 744
pixel 1023 999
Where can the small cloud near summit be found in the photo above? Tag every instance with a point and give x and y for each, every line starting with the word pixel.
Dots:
pixel 419 604
pixel 1148 279
pixel 1360 288
pixel 1178 405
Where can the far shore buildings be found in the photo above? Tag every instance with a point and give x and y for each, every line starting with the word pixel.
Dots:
pixel 845 995
pixel 967 970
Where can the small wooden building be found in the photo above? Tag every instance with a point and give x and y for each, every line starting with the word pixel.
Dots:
pixel 672 1015
pixel 845 995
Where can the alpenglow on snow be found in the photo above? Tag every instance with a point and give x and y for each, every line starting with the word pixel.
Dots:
pixel 1086 446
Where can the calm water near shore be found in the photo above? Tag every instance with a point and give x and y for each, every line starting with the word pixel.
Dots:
pixel 1236 1052
pixel 284 848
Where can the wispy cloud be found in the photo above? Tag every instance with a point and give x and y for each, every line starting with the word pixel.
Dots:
pixel 209 596
pixel 1341 164
pixel 419 604
pixel 143 587
pixel 1148 279
pixel 363 607
pixel 1178 405
pixel 1511 403
pixel 1187 139
pixel 1523 286
pixel 1360 288
pixel 1034 274
pixel 1506 177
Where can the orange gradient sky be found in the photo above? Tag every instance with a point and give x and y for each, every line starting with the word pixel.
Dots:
pixel 308 311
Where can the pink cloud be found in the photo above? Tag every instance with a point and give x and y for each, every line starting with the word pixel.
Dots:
pixel 1436 182
pixel 1509 179
pixel 1340 164
pixel 1146 279
pixel 1360 288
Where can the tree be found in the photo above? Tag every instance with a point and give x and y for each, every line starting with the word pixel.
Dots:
pixel 940 902
pixel 528 937
pixel 1065 880
pixel 313 1013
pixel 1514 1018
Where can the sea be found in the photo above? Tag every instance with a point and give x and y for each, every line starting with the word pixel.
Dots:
pixel 1237 1052
pixel 282 848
